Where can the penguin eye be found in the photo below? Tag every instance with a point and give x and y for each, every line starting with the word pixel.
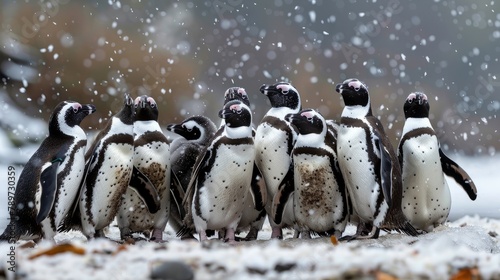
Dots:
pixel 310 119
pixel 75 110
pixel 153 105
pixel 410 101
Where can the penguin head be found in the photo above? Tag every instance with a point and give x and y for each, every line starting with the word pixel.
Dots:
pixel 354 92
pixel 146 109
pixel 416 106
pixel 282 95
pixel 126 114
pixel 67 115
pixel 236 93
pixel 307 121
pixel 194 128
pixel 236 114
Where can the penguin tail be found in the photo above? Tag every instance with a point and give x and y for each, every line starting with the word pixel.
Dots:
pixel 409 229
pixel 187 226
pixel 399 223
pixel 10 234
pixel 72 221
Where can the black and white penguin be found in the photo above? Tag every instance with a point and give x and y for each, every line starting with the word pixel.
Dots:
pixel 152 158
pixel 51 178
pixel 194 134
pixel 110 169
pixel 221 180
pixel 369 165
pixel 254 215
pixel 274 141
pixel 319 194
pixel 426 196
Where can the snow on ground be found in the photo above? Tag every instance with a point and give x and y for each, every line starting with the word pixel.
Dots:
pixel 469 245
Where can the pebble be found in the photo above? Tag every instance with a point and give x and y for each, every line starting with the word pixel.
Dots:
pixel 172 270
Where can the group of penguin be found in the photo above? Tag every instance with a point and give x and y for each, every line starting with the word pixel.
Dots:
pixel 296 168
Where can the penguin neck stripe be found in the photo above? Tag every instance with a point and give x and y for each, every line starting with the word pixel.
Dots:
pixel 150 136
pixel 415 133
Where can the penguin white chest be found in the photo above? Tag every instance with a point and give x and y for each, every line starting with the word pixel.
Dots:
pixel 68 190
pixel 426 196
pixel 272 155
pixel 315 193
pixel 111 182
pixel 226 186
pixel 356 158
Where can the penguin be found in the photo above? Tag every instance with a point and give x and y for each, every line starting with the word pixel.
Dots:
pixel 426 196
pixel 194 134
pixel 319 193
pixel 369 166
pixel 51 178
pixel 221 179
pixel 274 139
pixel 109 171
pixel 254 215
pixel 152 158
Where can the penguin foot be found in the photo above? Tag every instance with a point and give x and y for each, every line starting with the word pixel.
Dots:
pixel 363 233
pixel 157 236
pixel 277 233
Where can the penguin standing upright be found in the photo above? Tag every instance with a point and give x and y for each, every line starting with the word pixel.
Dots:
pixel 274 141
pixel 194 135
pixel 110 168
pixel 369 165
pixel 222 176
pixel 254 214
pixel 319 194
pixel 51 178
pixel 152 158
pixel 426 196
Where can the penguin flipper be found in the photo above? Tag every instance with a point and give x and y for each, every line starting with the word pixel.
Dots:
pixel 48 181
pixel 258 190
pixel 177 193
pixel 385 169
pixel 145 189
pixel 456 172
pixel 280 199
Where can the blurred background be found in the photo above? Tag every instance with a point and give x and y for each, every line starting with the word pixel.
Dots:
pixel 187 53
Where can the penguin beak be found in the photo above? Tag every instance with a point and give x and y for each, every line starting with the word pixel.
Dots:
pixel 339 88
pixel 174 127
pixel 128 100
pixel 265 89
pixel 89 108
pixel 223 113
pixel 143 102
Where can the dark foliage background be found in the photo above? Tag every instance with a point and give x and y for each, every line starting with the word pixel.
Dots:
pixel 187 53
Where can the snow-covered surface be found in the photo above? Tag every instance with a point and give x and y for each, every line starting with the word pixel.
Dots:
pixel 469 244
